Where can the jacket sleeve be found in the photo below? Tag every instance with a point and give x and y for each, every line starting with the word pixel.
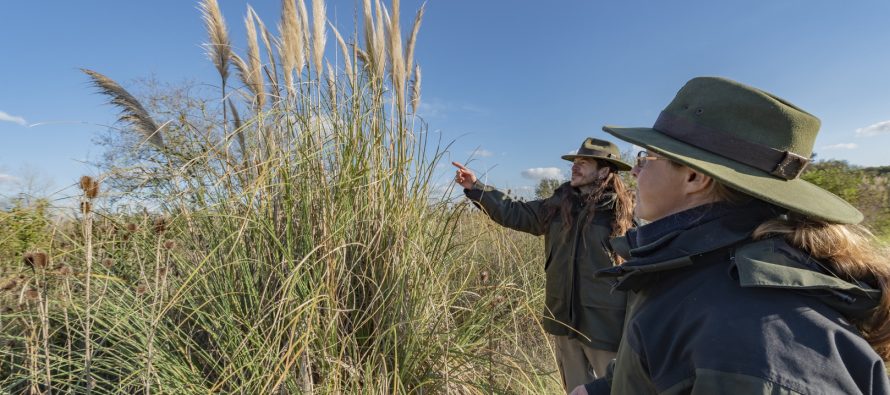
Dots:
pixel 522 216
pixel 602 385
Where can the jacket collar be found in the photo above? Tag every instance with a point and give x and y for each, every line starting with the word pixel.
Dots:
pixel 772 263
pixel 671 242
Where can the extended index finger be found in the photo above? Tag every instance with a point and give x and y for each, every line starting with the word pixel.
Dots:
pixel 459 166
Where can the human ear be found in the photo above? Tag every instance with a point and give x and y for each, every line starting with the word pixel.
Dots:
pixel 602 173
pixel 696 182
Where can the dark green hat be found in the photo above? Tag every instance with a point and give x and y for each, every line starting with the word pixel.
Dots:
pixel 599 149
pixel 747 139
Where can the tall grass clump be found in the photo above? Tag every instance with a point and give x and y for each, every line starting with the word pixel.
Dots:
pixel 292 243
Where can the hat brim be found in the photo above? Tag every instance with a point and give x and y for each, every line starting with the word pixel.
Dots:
pixel 622 166
pixel 796 195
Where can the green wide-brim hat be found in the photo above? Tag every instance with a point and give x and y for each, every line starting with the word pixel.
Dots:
pixel 599 149
pixel 747 139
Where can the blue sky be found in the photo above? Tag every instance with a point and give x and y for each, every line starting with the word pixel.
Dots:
pixel 519 83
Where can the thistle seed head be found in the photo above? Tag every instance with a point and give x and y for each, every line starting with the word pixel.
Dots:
pixel 160 225
pixel 40 260
pixel 484 277
pixel 89 186
pixel 9 285
pixel 29 259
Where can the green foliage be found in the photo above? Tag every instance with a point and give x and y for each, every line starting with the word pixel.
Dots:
pixel 867 189
pixel 838 177
pixel 546 187
pixel 23 227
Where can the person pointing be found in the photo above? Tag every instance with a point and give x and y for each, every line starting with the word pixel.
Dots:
pixel 582 315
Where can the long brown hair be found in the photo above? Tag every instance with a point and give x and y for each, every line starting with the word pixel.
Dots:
pixel 623 206
pixel 851 250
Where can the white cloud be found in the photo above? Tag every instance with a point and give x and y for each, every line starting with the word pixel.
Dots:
pixel 540 173
pixel 481 153
pixel 12 118
pixel 874 130
pixel 840 146
pixel 441 109
pixel 4 178
pixel 572 152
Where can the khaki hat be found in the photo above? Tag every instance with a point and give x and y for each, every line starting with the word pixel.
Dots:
pixel 599 149
pixel 747 139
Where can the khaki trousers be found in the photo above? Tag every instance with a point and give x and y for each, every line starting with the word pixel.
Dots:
pixel 578 363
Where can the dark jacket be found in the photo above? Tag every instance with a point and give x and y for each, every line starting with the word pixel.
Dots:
pixel 714 312
pixel 576 304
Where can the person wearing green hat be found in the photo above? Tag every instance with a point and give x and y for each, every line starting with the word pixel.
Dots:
pixel 747 279
pixel 582 313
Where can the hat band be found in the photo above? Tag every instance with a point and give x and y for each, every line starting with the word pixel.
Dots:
pixel 783 164
pixel 584 151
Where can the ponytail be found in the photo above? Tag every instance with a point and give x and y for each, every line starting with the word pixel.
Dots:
pixel 853 253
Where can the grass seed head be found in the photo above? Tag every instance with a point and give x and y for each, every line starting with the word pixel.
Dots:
pixel 108 262
pixel 169 244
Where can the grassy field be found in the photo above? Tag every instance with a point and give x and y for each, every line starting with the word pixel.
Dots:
pixel 285 241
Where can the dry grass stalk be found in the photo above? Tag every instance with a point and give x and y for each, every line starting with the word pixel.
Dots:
pixel 252 70
pixel 347 58
pixel 363 57
pixel 220 49
pixel 132 111
pixel 412 39
pixel 415 90
pixel 239 132
pixel 379 55
pixel 304 25
pixel 397 57
pixel 374 40
pixel 319 37
pixel 291 50
pixel 267 41
pixel 332 86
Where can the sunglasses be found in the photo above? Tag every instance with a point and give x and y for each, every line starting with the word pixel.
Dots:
pixel 643 157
